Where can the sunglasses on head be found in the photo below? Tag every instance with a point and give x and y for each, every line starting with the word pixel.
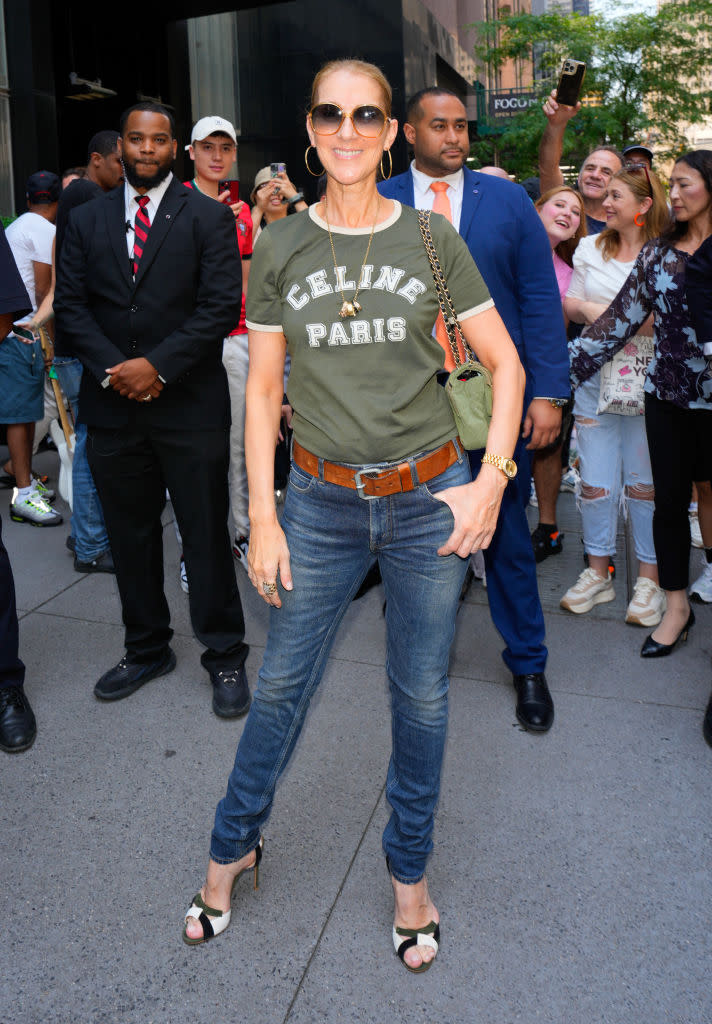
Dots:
pixel 368 120
pixel 641 167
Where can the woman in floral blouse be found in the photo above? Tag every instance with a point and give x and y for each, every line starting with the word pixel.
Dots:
pixel 678 399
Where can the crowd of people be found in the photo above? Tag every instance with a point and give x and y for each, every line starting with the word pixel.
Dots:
pixel 185 355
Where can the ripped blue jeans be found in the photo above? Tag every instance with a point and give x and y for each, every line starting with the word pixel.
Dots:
pixel 615 472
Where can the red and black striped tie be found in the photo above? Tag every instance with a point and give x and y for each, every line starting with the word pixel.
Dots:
pixel 142 226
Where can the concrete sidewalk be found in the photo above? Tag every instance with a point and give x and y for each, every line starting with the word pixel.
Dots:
pixel 572 870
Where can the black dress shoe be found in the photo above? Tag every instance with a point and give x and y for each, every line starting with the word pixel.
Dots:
pixel 707 724
pixel 231 694
pixel 128 676
pixel 102 563
pixel 535 707
pixel 18 727
pixel 652 649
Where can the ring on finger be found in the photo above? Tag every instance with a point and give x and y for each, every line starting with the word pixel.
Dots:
pixel 269 588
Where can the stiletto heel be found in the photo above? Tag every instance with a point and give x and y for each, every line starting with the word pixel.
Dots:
pixel 405 938
pixel 652 649
pixel 258 858
pixel 214 921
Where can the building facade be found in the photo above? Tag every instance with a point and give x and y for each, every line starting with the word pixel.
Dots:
pixel 64 75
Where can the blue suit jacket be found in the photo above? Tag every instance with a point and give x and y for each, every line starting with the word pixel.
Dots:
pixel 511 249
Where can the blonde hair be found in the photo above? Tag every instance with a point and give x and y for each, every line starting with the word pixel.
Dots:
pixel 565 250
pixel 355 67
pixel 657 218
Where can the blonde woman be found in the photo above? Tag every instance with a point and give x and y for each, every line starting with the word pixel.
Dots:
pixel 613 449
pixel 377 471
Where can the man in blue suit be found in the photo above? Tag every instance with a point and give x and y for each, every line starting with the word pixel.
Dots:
pixel 511 249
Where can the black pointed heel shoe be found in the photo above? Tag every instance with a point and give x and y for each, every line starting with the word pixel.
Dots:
pixel 652 649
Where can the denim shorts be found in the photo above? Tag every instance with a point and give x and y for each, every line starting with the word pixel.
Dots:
pixel 21 381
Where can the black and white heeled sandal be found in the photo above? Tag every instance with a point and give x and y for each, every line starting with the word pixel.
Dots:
pixel 215 921
pixel 405 938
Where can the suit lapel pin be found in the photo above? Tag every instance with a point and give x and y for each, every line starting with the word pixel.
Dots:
pixel 168 216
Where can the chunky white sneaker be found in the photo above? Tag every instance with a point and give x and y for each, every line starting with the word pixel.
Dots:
pixel 183 577
pixel 695 532
pixel 588 590
pixel 33 510
pixel 46 493
pixel 239 550
pixel 569 480
pixel 701 589
pixel 648 604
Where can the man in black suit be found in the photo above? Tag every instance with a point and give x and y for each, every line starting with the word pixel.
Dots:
pixel 146 291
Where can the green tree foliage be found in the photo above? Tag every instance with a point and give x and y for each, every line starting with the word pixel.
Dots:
pixel 644 71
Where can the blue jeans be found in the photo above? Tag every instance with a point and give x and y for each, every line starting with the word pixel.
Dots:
pixel 87 529
pixel 334 536
pixel 614 457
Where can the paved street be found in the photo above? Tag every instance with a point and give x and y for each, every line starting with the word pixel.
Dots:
pixel 572 871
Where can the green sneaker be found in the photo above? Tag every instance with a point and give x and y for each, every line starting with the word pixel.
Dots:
pixel 33 510
pixel 46 493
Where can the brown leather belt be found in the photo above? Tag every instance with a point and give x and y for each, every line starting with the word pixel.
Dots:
pixel 379 483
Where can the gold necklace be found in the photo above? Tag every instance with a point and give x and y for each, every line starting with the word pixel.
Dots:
pixel 351 308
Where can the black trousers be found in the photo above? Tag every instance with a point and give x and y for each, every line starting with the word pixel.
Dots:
pixel 680 443
pixel 12 671
pixel 132 469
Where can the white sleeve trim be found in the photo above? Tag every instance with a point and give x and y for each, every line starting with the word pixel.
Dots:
pixel 483 306
pixel 267 328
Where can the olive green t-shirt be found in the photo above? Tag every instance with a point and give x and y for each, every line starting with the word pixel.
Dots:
pixel 363 389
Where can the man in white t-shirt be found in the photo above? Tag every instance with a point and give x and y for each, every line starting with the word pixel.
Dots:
pixel 21 363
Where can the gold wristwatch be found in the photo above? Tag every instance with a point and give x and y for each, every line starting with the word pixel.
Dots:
pixel 507 466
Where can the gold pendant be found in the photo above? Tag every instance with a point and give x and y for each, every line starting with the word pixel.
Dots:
pixel 348 309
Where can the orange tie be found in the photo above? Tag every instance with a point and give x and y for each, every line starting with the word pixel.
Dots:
pixel 441 204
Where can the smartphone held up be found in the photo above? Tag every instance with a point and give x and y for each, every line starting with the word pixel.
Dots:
pixel 231 185
pixel 570 81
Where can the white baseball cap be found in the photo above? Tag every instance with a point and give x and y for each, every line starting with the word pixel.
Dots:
pixel 208 126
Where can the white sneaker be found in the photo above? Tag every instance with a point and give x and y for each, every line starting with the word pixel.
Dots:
pixel 701 589
pixel 588 590
pixel 184 577
pixel 239 550
pixel 695 532
pixel 44 492
pixel 33 510
pixel 648 604
pixel 569 480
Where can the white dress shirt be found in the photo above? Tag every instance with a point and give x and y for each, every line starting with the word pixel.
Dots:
pixel 155 195
pixel 424 196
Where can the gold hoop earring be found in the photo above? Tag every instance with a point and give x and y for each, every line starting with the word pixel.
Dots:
pixel 390 165
pixel 639 223
pixel 314 174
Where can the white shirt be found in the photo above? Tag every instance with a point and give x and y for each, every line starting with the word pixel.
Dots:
pixel 423 195
pixel 595 279
pixel 155 195
pixel 30 238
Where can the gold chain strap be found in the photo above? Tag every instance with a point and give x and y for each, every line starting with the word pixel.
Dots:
pixel 447 308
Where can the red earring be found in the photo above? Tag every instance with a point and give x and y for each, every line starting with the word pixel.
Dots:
pixel 639 223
